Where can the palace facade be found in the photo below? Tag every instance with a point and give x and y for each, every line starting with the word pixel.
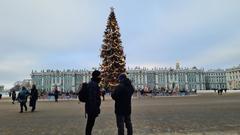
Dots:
pixel 167 78
pixel 233 77
pixel 216 79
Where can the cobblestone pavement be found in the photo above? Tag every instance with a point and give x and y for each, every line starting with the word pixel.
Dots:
pixel 198 115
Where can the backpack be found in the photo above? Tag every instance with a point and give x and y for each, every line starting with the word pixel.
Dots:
pixel 83 93
pixel 22 95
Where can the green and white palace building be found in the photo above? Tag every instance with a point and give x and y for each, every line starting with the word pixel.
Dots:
pixel 168 78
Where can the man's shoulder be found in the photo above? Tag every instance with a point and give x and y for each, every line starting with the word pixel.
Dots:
pixel 90 82
pixel 120 86
pixel 92 85
pixel 126 86
pixel 25 91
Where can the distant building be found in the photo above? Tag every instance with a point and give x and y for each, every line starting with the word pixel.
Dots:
pixel 1 88
pixel 26 83
pixel 67 80
pixel 177 79
pixel 216 79
pixel 233 77
pixel 166 78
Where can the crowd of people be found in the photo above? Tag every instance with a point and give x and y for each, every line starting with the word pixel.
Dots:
pixel 22 98
pixel 56 94
pixel 164 92
pixel 220 91
pixel 122 96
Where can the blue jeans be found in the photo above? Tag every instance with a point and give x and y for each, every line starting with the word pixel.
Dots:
pixel 121 119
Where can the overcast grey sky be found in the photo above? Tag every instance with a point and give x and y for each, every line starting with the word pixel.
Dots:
pixel 67 34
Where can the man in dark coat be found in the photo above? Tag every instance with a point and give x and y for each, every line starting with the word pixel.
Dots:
pixel 93 102
pixel 34 97
pixel 122 96
pixel 14 96
pixel 56 93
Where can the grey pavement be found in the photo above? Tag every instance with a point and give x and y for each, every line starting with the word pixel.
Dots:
pixel 194 115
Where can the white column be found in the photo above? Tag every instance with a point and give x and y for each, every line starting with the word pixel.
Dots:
pixel 186 82
pixel 186 78
pixel 139 82
pixel 42 82
pixel 141 78
pixel 63 83
pixel 55 80
pixel 51 80
pixel 84 78
pixel 135 80
pixel 177 77
pixel 166 81
pixel 177 81
pixel 73 83
pixel 156 78
pixel 60 80
pixel 88 78
pixel 145 78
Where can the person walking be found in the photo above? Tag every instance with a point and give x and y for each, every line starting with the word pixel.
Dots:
pixel 14 96
pixel 56 93
pixel 22 98
pixel 103 92
pixel 34 97
pixel 122 96
pixel 93 102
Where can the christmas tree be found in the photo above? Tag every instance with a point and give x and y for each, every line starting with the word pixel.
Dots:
pixel 113 59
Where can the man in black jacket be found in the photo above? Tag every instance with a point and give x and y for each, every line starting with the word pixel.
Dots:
pixel 93 102
pixel 34 97
pixel 122 96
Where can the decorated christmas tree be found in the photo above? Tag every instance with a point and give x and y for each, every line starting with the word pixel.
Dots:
pixel 113 58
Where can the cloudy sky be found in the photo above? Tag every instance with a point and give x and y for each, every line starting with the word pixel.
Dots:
pixel 67 34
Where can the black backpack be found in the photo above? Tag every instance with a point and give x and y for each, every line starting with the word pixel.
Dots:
pixel 83 93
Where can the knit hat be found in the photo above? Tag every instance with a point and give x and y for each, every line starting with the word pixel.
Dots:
pixel 122 76
pixel 96 74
